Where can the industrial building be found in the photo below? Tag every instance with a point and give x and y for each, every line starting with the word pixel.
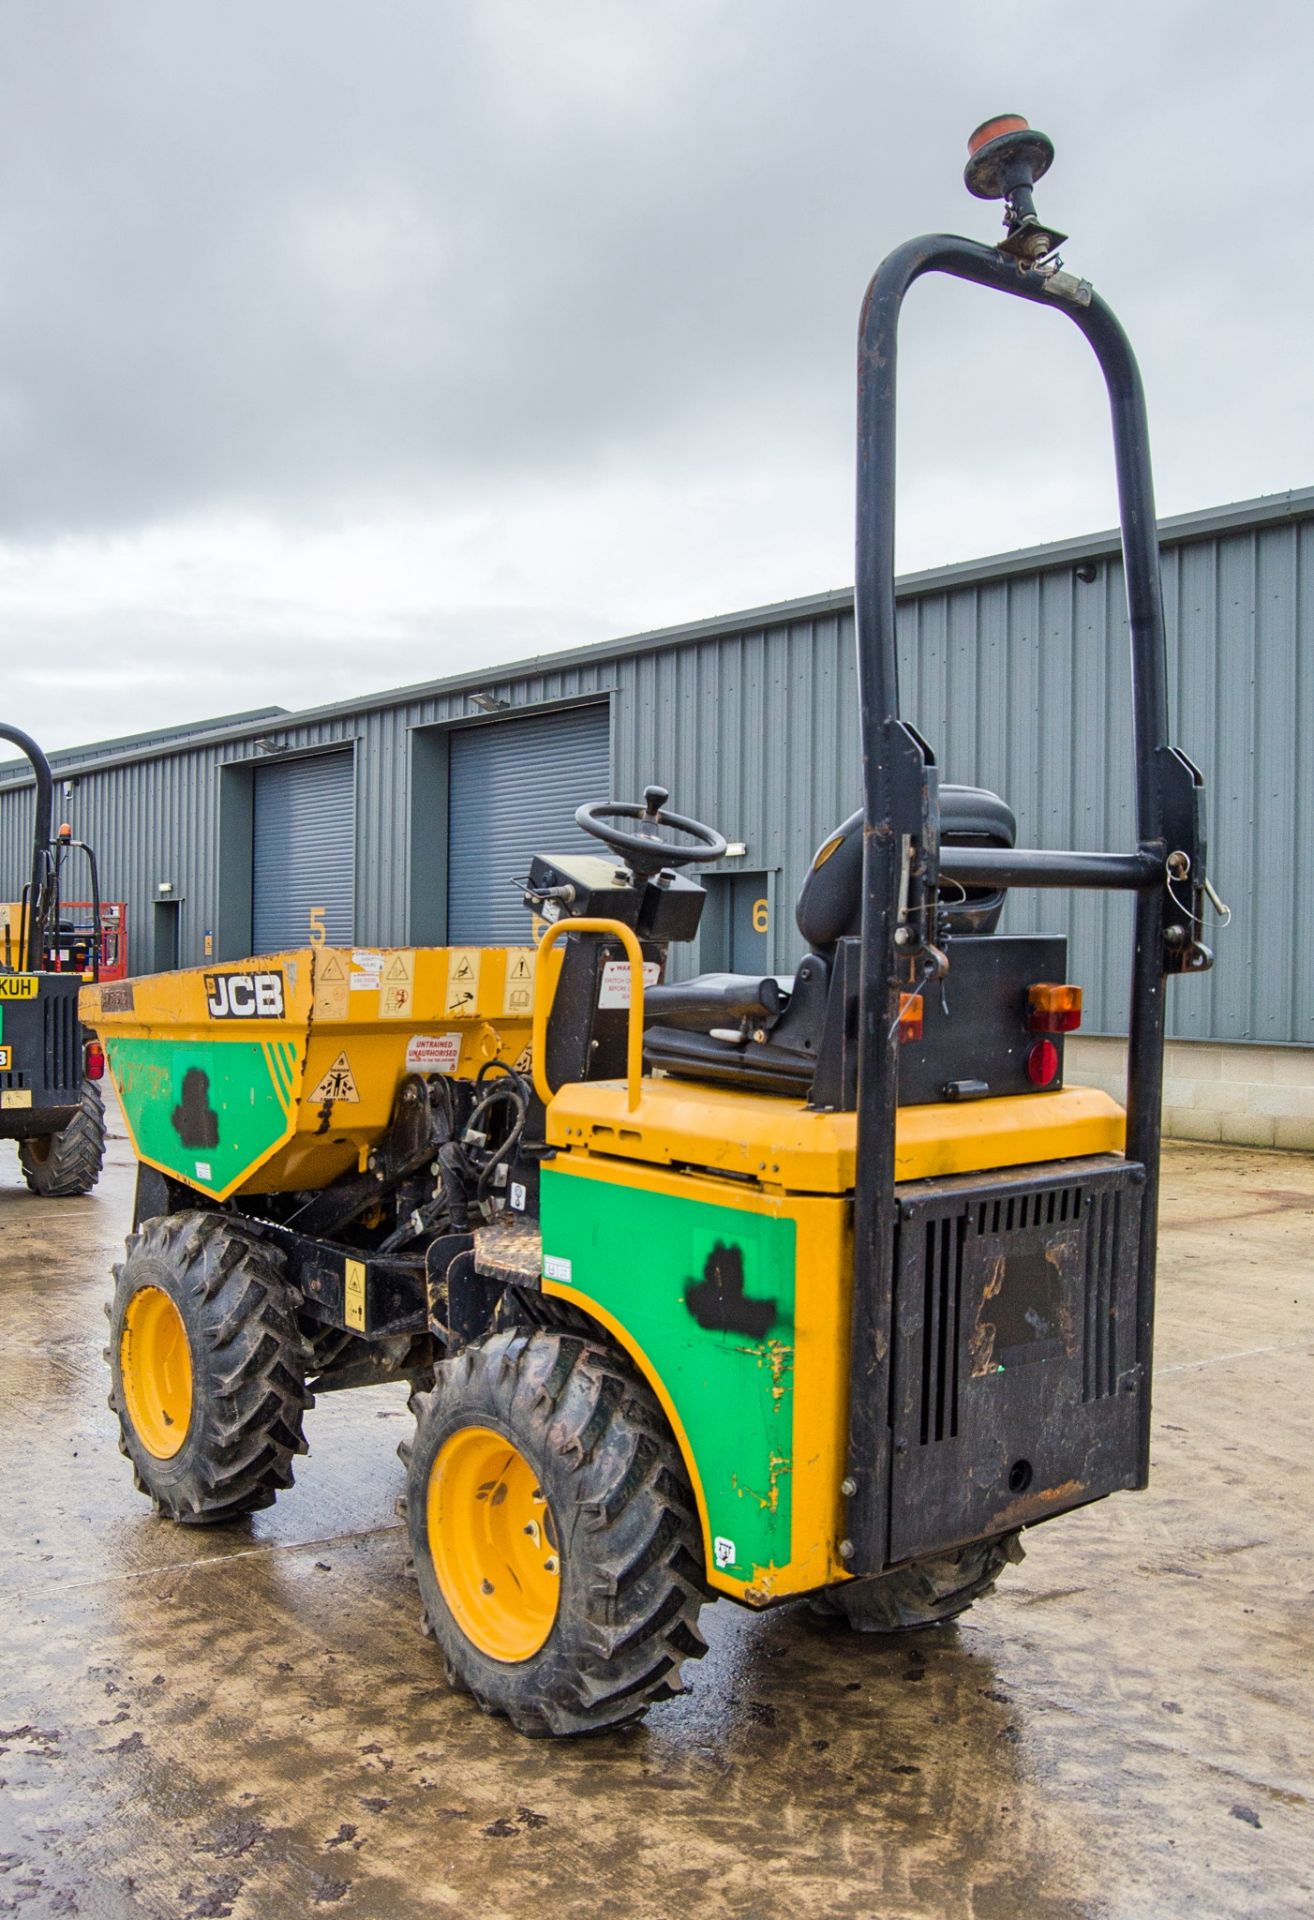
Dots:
pixel 405 817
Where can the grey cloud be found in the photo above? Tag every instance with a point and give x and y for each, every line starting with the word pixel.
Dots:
pixel 273 257
pixel 303 264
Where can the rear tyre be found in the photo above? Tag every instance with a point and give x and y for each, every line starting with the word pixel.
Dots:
pixel 554 1533
pixel 924 1594
pixel 208 1369
pixel 60 1165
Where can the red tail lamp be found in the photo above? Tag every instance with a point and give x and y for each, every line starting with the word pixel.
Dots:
pixel 1052 1008
pixel 1043 1064
pixel 93 1060
pixel 910 1017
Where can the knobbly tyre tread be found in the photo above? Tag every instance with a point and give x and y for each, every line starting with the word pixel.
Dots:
pixel 249 1365
pixel 631 1544
pixel 925 1594
pixel 74 1156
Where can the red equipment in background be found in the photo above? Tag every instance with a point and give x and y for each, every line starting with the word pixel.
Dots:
pixel 72 950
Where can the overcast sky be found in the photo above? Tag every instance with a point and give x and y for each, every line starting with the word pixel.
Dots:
pixel 349 344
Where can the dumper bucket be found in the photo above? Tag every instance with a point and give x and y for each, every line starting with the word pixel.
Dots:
pixel 278 1074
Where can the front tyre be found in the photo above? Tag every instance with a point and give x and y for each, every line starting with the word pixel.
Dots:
pixel 61 1165
pixel 554 1533
pixel 208 1369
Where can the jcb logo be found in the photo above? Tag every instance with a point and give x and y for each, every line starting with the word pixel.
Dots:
pixel 244 996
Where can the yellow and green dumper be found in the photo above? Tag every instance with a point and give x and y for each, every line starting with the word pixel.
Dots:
pixel 820 1285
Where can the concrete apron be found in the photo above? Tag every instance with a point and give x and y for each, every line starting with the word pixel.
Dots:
pixel 247 1721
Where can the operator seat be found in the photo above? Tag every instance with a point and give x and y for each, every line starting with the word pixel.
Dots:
pixel 830 904
pixel 770 1032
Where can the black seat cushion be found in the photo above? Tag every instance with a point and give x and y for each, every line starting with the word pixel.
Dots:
pixel 830 904
pixel 715 1000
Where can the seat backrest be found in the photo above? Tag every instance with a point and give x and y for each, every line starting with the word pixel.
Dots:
pixel 830 903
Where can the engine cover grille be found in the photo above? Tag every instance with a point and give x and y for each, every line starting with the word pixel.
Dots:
pixel 1015 1380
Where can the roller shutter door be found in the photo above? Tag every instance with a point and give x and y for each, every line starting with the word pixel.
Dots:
pixel 303 852
pixel 513 790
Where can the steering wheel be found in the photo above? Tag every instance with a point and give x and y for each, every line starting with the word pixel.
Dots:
pixel 644 849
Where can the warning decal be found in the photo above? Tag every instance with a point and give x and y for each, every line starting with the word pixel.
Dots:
pixel 433 1052
pixel 462 980
pixel 338 1084
pixel 330 987
pixel 519 994
pixel 615 988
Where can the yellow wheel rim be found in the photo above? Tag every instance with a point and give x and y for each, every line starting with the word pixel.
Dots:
pixel 494 1544
pixel 156 1366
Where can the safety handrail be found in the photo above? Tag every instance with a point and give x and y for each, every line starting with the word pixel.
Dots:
pixel 543 1005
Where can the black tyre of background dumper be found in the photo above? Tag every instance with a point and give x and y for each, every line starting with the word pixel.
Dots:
pixel 63 1165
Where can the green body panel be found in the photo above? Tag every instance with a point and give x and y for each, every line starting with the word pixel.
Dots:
pixel 706 1293
pixel 208 1111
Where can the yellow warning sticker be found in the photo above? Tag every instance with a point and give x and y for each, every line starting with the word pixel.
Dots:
pixel 330 987
pixel 353 1294
pixel 397 968
pixel 397 999
pixel 16 1097
pixel 337 1084
pixel 462 980
pixel 19 986
pixel 518 994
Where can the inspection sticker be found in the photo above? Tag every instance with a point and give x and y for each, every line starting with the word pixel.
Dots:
pixel 555 1268
pixel 615 988
pixel 433 1052
pixel 366 971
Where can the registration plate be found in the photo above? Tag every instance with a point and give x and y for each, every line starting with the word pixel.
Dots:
pixel 19 986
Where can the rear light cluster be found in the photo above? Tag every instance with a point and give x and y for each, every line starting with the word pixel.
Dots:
pixel 93 1060
pixel 910 1017
pixel 1053 1009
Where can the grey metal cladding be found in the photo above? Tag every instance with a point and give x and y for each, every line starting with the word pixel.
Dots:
pixel 513 789
pixel 303 851
pixel 1014 668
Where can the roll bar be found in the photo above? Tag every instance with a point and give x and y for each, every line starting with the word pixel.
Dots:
pixel 38 892
pixel 903 863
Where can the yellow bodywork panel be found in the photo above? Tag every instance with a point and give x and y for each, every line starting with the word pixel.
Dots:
pixel 759 1416
pixel 781 1144
pixel 280 1073
pixel 709 1231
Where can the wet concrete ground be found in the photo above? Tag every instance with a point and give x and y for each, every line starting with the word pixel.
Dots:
pixel 248 1722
